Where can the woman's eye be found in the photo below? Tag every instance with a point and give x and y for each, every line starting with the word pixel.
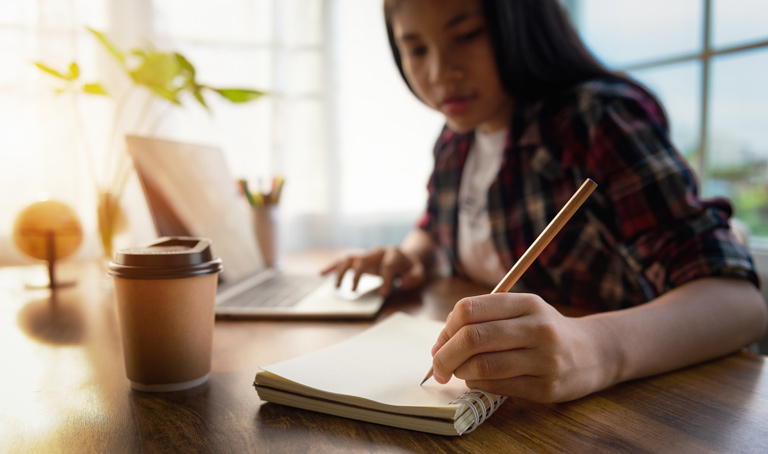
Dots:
pixel 418 51
pixel 466 37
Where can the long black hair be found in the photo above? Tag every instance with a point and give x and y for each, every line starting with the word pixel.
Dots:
pixel 536 48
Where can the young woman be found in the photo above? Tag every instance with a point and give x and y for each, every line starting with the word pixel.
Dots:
pixel 530 114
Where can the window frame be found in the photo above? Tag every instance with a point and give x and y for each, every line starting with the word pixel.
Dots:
pixel 705 56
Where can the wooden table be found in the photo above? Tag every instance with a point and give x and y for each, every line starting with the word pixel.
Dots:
pixel 64 390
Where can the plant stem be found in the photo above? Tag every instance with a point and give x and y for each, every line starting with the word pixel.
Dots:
pixel 123 167
pixel 123 180
pixel 119 113
pixel 86 141
pixel 163 115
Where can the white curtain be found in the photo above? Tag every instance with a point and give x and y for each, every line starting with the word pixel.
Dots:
pixel 352 142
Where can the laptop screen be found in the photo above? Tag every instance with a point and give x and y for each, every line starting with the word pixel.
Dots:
pixel 190 192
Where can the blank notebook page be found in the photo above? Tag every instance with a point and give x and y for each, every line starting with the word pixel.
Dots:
pixel 384 364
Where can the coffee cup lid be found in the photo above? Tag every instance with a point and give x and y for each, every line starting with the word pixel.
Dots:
pixel 166 258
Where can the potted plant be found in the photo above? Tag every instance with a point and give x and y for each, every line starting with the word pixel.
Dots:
pixel 166 76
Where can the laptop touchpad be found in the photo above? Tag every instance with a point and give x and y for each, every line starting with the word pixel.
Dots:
pixel 367 284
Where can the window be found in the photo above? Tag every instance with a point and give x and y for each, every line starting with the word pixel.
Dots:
pixel 383 135
pixel 706 60
pixel 271 45
pixel 38 146
pixel 327 124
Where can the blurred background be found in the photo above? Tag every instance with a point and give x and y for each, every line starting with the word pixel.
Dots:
pixel 338 123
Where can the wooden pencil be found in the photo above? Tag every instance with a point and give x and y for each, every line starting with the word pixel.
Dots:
pixel 541 242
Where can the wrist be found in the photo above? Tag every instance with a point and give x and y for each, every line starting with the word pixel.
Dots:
pixel 417 258
pixel 419 247
pixel 609 362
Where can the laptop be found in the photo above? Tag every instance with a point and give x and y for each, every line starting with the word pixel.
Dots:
pixel 190 192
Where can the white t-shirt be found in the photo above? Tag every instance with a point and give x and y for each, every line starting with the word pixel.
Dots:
pixel 477 252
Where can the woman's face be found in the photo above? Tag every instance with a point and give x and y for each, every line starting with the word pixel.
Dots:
pixel 448 60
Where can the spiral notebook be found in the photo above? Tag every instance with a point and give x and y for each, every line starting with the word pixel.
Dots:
pixel 374 377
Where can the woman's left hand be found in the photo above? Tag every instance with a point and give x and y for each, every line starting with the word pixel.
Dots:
pixel 518 345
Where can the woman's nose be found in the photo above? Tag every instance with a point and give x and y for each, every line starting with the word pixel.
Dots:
pixel 445 68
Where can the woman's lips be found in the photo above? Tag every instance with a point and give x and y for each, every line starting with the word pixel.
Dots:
pixel 455 105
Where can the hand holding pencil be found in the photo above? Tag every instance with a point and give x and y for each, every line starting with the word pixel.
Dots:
pixel 517 344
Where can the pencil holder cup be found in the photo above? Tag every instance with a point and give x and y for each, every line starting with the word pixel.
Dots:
pixel 265 225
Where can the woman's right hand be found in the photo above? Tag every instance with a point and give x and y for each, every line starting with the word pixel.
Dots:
pixel 390 263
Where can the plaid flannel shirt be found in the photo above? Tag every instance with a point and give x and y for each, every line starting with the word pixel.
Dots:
pixel 642 232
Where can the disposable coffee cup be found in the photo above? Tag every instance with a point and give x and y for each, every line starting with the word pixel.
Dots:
pixel 166 293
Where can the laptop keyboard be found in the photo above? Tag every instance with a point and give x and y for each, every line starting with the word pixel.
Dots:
pixel 278 291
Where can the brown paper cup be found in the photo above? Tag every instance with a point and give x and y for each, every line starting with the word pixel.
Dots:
pixel 166 319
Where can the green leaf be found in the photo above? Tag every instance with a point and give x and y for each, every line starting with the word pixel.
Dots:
pixel 198 94
pixel 186 65
pixel 119 56
pixel 157 70
pixel 160 72
pixel 165 94
pixel 95 89
pixel 187 73
pixel 74 71
pixel 51 71
pixel 201 100
pixel 239 95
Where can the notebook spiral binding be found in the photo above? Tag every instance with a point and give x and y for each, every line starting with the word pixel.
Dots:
pixel 473 399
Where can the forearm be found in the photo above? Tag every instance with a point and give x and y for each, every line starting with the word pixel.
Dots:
pixel 700 320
